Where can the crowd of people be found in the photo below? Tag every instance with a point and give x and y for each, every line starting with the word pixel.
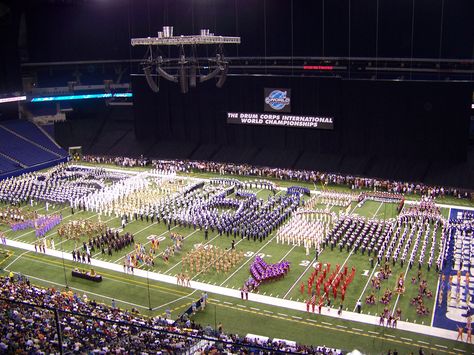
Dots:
pixel 63 183
pixel 306 228
pixel 413 237
pixel 12 215
pixel 356 233
pixel 316 177
pixel 206 258
pixel 91 327
pixel 81 228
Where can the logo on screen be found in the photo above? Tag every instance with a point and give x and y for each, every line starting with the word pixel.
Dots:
pixel 278 100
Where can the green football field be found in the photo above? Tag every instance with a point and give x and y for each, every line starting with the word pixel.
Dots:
pixel 153 298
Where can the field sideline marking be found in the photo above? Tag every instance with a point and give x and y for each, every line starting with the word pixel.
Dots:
pixel 78 289
pixel 241 266
pixel 439 279
pixel 176 300
pixel 18 257
pixel 373 271
pixel 113 277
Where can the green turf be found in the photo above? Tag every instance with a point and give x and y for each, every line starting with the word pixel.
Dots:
pixel 236 315
pixel 130 290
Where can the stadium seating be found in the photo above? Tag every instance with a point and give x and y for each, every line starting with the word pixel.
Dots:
pixel 34 133
pixel 94 328
pixel 7 165
pixel 25 147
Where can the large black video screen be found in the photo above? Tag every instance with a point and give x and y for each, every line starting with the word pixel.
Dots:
pixel 427 120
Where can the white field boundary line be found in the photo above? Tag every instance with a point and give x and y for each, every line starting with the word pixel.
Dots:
pixel 175 300
pixel 299 278
pixel 350 316
pixel 372 274
pixel 81 290
pixel 18 257
pixel 435 301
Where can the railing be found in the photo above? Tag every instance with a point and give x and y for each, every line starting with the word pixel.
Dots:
pixel 67 331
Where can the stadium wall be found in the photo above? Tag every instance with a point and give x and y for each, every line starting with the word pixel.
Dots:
pixel 415 120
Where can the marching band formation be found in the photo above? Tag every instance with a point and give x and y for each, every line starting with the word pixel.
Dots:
pixel 418 237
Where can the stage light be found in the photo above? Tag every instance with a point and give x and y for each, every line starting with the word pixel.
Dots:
pixel 187 70
pixel 209 76
pixel 222 76
pixel 154 85
pixel 183 79
pixel 165 75
pixel 192 75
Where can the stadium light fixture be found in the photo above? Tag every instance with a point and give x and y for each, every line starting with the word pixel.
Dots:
pixel 186 67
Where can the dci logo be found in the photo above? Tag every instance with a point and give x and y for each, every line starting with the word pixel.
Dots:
pixel 278 100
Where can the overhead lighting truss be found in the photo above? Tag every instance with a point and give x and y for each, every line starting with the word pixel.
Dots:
pixel 188 65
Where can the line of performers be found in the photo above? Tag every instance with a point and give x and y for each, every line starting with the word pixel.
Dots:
pixel 337 282
pixel 306 228
pixel 207 258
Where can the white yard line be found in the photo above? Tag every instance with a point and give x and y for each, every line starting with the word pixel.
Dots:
pixel 84 291
pixel 378 209
pixel 171 268
pixel 289 251
pixel 175 300
pixel 18 257
pixel 299 278
pixel 192 278
pixel 367 284
pixel 258 251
